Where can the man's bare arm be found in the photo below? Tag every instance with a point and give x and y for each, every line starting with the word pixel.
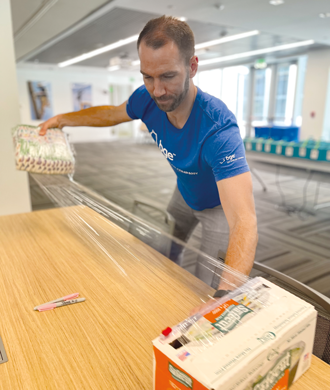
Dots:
pixel 100 116
pixel 238 204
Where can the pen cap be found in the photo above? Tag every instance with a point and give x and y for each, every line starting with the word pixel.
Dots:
pixel 50 306
pixel 71 296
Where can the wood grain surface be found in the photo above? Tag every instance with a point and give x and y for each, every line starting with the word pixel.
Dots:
pixel 104 342
pixel 131 291
pixel 316 378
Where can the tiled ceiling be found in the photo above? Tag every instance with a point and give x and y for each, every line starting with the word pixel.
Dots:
pixel 114 25
pixel 62 34
pixel 23 11
pixel 61 15
pixel 121 23
pixel 298 19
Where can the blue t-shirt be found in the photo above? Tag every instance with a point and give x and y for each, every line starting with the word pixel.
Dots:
pixel 207 149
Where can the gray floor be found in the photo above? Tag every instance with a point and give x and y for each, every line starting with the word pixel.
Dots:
pixel 297 244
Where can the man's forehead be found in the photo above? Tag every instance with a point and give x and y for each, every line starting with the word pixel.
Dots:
pixel 169 46
pixel 158 69
pixel 165 59
pixel 166 53
pixel 158 72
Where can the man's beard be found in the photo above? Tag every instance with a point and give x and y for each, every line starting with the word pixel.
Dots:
pixel 176 100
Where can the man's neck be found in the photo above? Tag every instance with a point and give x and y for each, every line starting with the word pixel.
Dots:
pixel 179 117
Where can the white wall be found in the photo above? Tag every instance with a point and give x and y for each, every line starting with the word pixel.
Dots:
pixel 315 94
pixel 14 188
pixel 61 80
pixel 326 123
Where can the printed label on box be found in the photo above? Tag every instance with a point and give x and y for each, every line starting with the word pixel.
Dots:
pixel 302 152
pixel 282 373
pixel 169 376
pixel 267 148
pixel 268 346
pixel 248 146
pixel 180 376
pixel 279 149
pixel 233 316
pixel 259 147
pixel 328 155
pixel 314 154
pixel 289 151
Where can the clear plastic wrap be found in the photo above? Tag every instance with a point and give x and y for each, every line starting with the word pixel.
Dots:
pixel 66 192
pixel 220 316
pixel 256 337
pixel 50 154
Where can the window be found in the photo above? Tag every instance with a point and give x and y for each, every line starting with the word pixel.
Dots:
pixel 281 91
pixel 234 93
pixel 231 86
pixel 209 81
pixel 262 81
pixel 285 93
pixel 301 75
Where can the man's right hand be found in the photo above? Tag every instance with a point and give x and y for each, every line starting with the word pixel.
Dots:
pixel 51 123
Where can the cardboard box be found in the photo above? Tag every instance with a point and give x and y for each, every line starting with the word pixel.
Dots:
pixel 259 337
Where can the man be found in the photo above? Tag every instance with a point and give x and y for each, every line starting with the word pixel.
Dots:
pixel 199 137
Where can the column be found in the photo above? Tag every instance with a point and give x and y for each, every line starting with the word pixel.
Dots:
pixel 14 186
pixel 315 94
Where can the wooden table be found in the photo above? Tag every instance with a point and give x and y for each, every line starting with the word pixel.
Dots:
pixel 105 342
pixel 316 378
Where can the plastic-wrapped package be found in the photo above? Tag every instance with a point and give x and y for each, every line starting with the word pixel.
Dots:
pixel 215 320
pixel 49 154
pixel 257 337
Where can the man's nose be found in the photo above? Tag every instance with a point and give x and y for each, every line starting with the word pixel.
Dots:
pixel 159 89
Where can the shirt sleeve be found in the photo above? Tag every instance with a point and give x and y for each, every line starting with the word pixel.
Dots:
pixel 138 103
pixel 224 151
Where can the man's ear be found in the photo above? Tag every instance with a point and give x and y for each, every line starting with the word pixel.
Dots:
pixel 193 66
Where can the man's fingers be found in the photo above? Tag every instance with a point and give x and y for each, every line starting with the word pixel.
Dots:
pixel 43 130
pixel 49 124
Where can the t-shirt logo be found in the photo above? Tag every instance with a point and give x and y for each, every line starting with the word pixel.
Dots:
pixel 166 153
pixel 230 159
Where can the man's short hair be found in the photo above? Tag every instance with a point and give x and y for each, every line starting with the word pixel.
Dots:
pixel 160 31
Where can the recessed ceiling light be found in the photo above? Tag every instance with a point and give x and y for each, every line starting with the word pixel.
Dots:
pixel 324 15
pixel 113 68
pixel 201 51
pixel 276 2
pixel 255 52
pixel 183 19
pixel 96 52
pixel 229 38
pixel 136 62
